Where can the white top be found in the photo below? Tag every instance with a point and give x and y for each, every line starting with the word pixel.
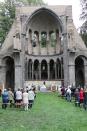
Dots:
pixel 31 95
pixel 25 97
pixel 69 91
pixel 18 95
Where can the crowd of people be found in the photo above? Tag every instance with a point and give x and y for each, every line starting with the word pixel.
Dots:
pixel 25 97
pixel 21 98
pixel 79 95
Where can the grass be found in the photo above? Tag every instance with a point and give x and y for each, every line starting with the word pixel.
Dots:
pixel 49 113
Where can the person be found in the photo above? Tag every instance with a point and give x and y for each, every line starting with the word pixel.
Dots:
pixel 31 97
pixel 43 87
pixel 59 91
pixel 68 94
pixel 18 98
pixel 34 90
pixel 81 96
pixel 62 91
pixel 76 94
pixel 25 100
pixel 11 97
pixel 85 99
pixel 5 99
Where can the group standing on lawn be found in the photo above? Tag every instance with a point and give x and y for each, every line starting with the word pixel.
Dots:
pixel 79 95
pixel 25 97
pixel 20 98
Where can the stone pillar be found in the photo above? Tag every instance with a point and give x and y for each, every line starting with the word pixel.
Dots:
pixel 65 51
pixel 72 74
pixel 26 70
pixel 39 42
pixel 22 60
pixel 48 71
pixel 18 77
pixel 40 71
pixel 32 70
pixel 18 72
pixel 2 74
pixel 55 70
pixel 58 72
pixel 47 42
pixel 30 43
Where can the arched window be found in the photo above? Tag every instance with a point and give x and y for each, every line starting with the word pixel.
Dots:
pixel 52 38
pixel 43 39
pixel 79 71
pixel 35 39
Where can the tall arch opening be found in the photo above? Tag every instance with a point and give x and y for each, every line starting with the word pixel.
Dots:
pixel 44 74
pixel 36 69
pixel 9 62
pixel 79 72
pixel 52 69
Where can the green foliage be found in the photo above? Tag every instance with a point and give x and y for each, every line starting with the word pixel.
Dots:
pixel 84 37
pixel 83 28
pixel 7 15
pixel 53 39
pixel 43 39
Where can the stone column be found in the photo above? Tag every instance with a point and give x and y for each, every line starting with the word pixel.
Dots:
pixel 26 70
pixel 39 42
pixel 72 74
pixel 22 60
pixel 65 51
pixel 40 71
pixel 47 42
pixel 48 71
pixel 32 70
pixel 18 77
pixel 30 43
pixel 18 72
pixel 55 70
pixel 2 74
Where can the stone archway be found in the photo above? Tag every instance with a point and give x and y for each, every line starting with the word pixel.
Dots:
pixel 44 74
pixel 30 69
pixel 36 69
pixel 79 72
pixel 10 75
pixel 52 69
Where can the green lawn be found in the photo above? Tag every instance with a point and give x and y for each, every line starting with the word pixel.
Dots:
pixel 49 113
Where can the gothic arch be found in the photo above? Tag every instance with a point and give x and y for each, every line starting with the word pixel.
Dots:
pixel 79 71
pixel 36 69
pixel 43 10
pixel 52 69
pixel 9 72
pixel 44 74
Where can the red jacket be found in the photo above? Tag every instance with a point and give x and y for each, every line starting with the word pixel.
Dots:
pixel 81 95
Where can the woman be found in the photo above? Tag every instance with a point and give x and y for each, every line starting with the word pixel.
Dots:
pixel 5 99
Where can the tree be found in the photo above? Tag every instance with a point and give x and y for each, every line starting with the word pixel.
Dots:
pixel 7 14
pixel 83 28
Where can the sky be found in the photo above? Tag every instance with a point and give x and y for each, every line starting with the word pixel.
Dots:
pixel 76 9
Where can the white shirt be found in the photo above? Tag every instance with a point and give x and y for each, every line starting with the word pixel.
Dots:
pixel 25 97
pixel 31 95
pixel 18 95
pixel 69 91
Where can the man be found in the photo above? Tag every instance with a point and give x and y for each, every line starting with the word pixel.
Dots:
pixel 18 98
pixel 31 96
